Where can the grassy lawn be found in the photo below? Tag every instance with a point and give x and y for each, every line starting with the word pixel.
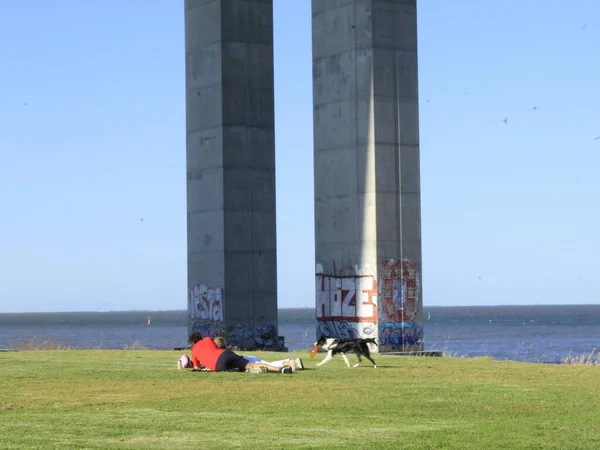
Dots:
pixel 138 399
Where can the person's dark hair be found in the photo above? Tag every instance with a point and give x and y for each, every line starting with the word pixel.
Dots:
pixel 195 337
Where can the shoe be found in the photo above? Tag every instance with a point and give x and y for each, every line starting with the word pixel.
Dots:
pixel 260 369
pixel 298 364
pixel 286 370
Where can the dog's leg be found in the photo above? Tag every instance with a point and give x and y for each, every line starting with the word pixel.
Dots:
pixel 345 359
pixel 371 359
pixel 359 360
pixel 327 359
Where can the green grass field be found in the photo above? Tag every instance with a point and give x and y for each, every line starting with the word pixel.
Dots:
pixel 138 399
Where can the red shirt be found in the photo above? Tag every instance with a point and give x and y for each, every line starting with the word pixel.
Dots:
pixel 205 353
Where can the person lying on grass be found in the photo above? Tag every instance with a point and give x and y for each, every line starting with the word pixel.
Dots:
pixel 296 364
pixel 206 355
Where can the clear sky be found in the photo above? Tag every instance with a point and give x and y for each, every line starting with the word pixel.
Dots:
pixel 92 153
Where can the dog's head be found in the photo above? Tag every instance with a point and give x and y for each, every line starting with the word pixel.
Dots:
pixel 370 341
pixel 320 341
pixel 326 343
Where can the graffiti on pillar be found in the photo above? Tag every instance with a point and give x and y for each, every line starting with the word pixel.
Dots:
pixel 243 336
pixel 266 336
pixel 209 329
pixel 346 305
pixel 206 303
pixel 399 293
pixel 205 310
pixel 345 330
pixel 262 336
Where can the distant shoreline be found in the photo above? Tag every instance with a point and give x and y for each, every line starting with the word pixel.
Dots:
pixel 298 308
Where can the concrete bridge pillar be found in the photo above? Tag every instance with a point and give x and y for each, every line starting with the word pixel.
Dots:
pixel 232 263
pixel 367 174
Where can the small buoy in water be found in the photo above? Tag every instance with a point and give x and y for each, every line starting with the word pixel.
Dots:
pixel 428 316
pixel 148 320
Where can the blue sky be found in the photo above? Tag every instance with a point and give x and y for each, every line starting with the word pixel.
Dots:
pixel 92 153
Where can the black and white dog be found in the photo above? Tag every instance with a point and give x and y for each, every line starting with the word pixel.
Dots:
pixel 334 346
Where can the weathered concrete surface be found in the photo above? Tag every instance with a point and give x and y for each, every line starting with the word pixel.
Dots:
pixel 232 264
pixel 367 170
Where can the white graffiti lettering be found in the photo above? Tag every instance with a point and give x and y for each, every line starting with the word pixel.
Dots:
pixel 352 298
pixel 206 303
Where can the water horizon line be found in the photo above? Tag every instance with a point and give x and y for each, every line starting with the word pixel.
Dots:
pixel 183 310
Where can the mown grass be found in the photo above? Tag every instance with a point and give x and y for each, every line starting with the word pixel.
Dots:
pixel 138 399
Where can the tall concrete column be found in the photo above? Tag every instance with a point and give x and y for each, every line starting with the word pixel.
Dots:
pixel 367 174
pixel 232 264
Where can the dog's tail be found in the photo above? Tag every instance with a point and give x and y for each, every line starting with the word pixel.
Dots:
pixel 371 340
